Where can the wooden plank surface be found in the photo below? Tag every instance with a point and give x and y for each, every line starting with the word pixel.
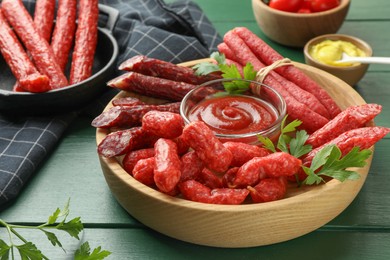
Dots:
pixel 362 231
pixel 133 243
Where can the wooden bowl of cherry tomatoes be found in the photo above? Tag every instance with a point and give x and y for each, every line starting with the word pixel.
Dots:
pixel 294 22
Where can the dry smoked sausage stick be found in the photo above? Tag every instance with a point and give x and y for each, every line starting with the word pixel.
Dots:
pixel 232 40
pixel 121 142
pixel 151 86
pixel 17 59
pixel 85 41
pixel 351 118
pixel 44 17
pixel 124 116
pixel 43 57
pixel 162 69
pixel 43 20
pixel 64 31
pixel 268 55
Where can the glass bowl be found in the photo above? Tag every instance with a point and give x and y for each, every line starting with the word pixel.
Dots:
pixel 236 117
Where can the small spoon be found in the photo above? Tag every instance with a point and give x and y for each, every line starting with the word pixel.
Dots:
pixel 378 60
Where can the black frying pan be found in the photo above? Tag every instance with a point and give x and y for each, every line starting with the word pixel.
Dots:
pixel 70 97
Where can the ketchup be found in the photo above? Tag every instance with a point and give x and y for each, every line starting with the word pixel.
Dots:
pixel 234 114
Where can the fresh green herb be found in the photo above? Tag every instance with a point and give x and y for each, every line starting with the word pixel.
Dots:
pixel 328 162
pixel 204 68
pixel 290 140
pixel 84 253
pixel 228 72
pixel 27 250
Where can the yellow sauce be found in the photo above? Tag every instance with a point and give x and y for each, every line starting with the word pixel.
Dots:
pixel 329 51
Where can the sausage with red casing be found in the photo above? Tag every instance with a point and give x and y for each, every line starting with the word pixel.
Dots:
pixel 64 31
pixel 167 165
pixel 167 70
pixel 39 48
pixel 44 17
pixel 85 41
pixel 18 61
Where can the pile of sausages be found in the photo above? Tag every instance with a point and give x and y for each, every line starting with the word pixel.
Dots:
pixel 37 50
pixel 158 149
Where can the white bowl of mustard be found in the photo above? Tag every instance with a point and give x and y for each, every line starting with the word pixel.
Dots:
pixel 324 51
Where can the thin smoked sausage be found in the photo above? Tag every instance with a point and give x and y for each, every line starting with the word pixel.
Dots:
pixel 43 57
pixel 85 41
pixel 64 31
pixel 17 59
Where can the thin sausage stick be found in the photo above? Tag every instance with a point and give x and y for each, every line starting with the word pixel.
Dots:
pixel 64 31
pixel 43 20
pixel 43 57
pixel 44 17
pixel 151 86
pixel 163 69
pixel 17 59
pixel 85 41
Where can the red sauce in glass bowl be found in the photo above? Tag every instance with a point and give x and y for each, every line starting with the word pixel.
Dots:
pixel 234 114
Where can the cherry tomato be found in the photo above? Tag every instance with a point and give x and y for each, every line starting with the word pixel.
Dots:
pixel 323 5
pixel 305 7
pixel 286 5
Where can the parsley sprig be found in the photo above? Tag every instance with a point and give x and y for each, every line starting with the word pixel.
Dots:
pixel 228 72
pixel 287 143
pixel 330 162
pixel 28 250
pixel 327 162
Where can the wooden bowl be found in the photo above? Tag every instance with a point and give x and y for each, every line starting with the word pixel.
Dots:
pixel 234 226
pixel 350 74
pixel 295 29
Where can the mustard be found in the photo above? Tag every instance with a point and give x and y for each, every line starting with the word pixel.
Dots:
pixel 329 51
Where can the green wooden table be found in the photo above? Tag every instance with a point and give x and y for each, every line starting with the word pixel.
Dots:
pixel 362 231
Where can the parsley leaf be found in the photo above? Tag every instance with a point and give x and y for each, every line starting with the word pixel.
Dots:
pixel 267 143
pixel 229 71
pixel 29 251
pixel 84 253
pixel 73 227
pixel 297 144
pixel 219 57
pixel 205 68
pixel 249 72
pixel 330 162
pixel 287 142
pixel 52 238
pixel 4 249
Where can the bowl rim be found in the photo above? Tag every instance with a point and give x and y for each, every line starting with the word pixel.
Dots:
pixel 343 4
pixel 337 36
pixel 268 129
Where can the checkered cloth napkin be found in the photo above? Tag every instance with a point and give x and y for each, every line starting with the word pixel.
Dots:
pixel 174 32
